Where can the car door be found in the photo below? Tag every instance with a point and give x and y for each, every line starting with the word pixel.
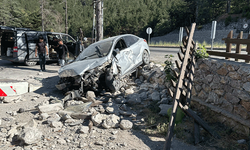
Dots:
pixel 70 42
pixel 133 44
pixel 124 57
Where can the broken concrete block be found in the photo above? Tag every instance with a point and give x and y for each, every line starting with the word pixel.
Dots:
pixel 74 115
pixel 9 99
pixel 126 124
pixel 84 129
pixel 90 95
pixel 53 118
pixel 56 124
pixel 32 124
pixel 96 103
pixel 129 91
pixel 111 121
pixel 98 118
pixel 44 116
pixel 79 108
pixel 75 123
pixel 50 108
pixel 30 135
pixel 65 117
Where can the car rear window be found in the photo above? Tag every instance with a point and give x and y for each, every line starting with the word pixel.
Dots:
pixel 130 40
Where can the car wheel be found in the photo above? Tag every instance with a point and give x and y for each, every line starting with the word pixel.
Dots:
pixel 29 63
pixel 111 82
pixel 145 58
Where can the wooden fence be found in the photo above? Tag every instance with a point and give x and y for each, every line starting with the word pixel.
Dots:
pixel 238 41
pixel 182 94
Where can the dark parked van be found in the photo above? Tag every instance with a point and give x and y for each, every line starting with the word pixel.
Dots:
pixel 18 44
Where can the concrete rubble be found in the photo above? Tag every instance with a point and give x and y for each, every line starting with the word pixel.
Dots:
pixel 102 110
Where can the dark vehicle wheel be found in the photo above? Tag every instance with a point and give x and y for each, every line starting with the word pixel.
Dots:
pixel 145 58
pixel 111 83
pixel 29 63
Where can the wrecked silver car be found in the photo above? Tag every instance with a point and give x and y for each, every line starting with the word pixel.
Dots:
pixel 104 64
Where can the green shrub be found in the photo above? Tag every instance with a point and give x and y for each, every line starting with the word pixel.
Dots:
pixel 168 68
pixel 199 27
pixel 201 52
pixel 228 20
pixel 179 115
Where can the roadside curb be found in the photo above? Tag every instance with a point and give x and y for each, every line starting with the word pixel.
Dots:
pixel 208 48
pixel 14 87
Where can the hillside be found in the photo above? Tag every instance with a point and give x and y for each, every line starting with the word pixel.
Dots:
pixel 203 32
pixel 120 16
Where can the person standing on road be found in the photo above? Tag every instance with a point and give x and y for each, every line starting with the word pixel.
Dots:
pixel 41 47
pixel 55 46
pixel 62 50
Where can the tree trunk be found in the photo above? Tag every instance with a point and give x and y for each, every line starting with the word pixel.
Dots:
pixel 99 31
pixel 42 15
pixel 197 13
pixel 66 17
pixel 228 6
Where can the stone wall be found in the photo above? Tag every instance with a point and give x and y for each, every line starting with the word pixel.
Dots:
pixel 224 86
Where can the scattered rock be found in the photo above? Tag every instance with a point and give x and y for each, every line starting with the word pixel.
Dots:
pixel 164 109
pixel 76 122
pixel 111 121
pixel 126 124
pixel 84 129
pixel 21 110
pixel 98 118
pixel 155 96
pixel 90 95
pixel 65 117
pixel 43 116
pixel 61 141
pixel 30 135
pixel 120 100
pixel 129 91
pixel 100 143
pixel 9 99
pixel 134 99
pixel 53 118
pixel 56 124
pixel 78 108
pixel 50 108
pixel 0 122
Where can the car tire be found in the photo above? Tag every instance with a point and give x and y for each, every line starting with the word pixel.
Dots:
pixel 111 83
pixel 29 63
pixel 145 57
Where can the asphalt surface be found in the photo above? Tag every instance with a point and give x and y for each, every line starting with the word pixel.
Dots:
pixel 157 54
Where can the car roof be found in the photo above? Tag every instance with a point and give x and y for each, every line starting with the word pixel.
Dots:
pixel 14 28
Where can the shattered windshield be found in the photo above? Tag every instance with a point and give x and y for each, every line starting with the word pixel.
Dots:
pixel 96 50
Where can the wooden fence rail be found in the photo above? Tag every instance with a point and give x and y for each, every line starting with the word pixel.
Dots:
pixel 183 86
pixel 238 41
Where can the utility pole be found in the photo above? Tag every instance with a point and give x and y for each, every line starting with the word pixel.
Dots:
pixel 99 20
pixel 93 30
pixel 102 18
pixel 66 17
pixel 42 15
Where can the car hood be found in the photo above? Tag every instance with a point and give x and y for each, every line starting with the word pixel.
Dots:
pixel 79 67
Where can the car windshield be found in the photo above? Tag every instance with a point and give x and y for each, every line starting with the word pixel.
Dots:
pixel 96 50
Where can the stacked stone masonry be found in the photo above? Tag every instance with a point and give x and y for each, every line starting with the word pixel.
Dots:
pixel 225 86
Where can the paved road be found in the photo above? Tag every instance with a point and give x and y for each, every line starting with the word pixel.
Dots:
pixel 157 54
